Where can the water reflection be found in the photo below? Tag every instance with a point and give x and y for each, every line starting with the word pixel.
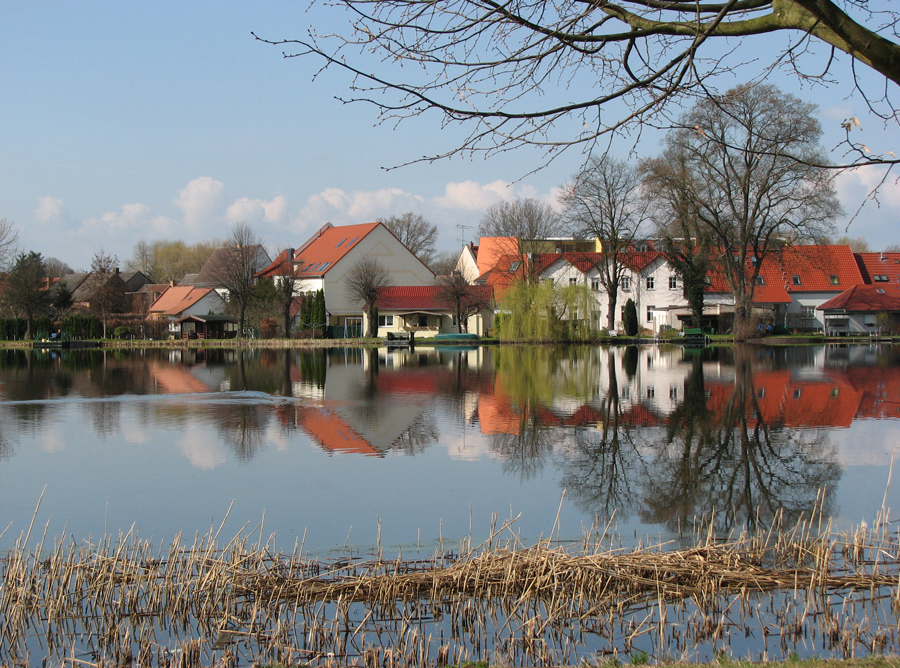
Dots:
pixel 659 434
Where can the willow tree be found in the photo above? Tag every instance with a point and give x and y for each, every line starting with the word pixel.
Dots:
pixel 544 311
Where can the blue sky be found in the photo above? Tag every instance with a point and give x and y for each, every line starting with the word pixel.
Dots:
pixel 129 121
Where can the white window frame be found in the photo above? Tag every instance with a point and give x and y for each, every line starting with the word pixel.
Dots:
pixel 650 283
pixel 385 320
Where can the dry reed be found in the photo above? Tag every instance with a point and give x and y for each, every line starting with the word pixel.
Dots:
pixel 123 600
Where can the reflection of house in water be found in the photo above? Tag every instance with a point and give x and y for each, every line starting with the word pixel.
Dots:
pixel 371 401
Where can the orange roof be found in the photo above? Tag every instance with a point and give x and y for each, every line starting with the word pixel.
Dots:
pixel 491 249
pixel 178 298
pixel 331 431
pixel 879 267
pixel 816 268
pixel 280 266
pixel 175 380
pixel 321 252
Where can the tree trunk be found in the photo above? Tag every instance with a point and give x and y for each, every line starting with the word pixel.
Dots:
pixel 611 315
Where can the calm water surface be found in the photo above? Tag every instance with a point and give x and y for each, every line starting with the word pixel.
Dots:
pixel 346 447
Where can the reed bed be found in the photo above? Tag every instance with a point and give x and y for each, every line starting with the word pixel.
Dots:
pixel 202 602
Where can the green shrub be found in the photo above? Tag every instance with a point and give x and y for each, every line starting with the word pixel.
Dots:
pixel 630 319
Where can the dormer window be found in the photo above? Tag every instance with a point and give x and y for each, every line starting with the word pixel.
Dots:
pixel 515 266
pixel 834 280
pixel 760 280
pixel 795 279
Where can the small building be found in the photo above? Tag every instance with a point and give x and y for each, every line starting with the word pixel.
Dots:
pixel 209 326
pixel 863 309
pixel 424 311
pixel 181 301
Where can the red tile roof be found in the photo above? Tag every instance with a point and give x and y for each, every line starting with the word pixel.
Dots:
pixel 490 249
pixel 420 298
pixel 866 299
pixel 178 298
pixel 322 251
pixel 883 266
pixel 818 268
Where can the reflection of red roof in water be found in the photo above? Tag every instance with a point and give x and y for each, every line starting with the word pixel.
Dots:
pixel 880 390
pixel 332 432
pixel 784 401
pixel 175 380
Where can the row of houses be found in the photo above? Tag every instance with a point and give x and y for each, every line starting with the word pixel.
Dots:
pixel 826 288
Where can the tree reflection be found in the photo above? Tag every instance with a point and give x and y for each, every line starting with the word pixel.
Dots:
pixel 242 427
pixel 722 457
pixel 605 472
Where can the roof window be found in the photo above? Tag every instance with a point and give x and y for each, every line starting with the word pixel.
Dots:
pixel 324 266
pixel 760 280
pixel 352 241
pixel 880 291
pixel 340 242
pixel 834 279
pixel 880 278
pixel 515 266
pixel 795 279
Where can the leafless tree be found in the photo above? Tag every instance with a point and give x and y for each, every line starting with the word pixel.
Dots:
pixel 414 232
pixel 749 194
pixel 688 245
pixel 233 266
pixel 444 263
pixel 522 219
pixel 285 286
pixel 56 268
pixel 513 70
pixel 603 201
pixel 466 300
pixel 9 239
pixel 105 289
pixel 364 282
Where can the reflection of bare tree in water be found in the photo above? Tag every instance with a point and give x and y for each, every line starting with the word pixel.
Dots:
pixel 105 416
pixel 421 433
pixel 524 453
pixel 606 470
pixel 242 427
pixel 732 463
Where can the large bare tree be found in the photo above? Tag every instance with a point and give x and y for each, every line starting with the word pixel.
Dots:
pixel 9 239
pixel 603 201
pixel 524 219
pixel 414 232
pixel 569 72
pixel 749 194
pixel 363 283
pixel 233 267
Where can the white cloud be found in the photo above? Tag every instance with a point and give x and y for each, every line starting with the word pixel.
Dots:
pixel 202 202
pixel 49 210
pixel 876 221
pixel 254 211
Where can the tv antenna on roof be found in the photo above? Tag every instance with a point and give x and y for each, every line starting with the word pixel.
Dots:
pixel 462 233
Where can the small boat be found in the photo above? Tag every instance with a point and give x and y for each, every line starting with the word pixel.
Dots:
pixel 456 337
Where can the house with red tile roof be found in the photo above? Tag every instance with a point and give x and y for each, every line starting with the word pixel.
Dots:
pixel 180 301
pixel 425 311
pixel 859 310
pixel 324 261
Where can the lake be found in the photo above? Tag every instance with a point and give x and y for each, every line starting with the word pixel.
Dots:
pixel 405 451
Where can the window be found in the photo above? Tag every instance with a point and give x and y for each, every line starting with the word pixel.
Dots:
pixel 807 312
pixel 385 321
pixel 797 392
pixel 595 284
pixel 626 283
pixel 880 291
pixel 760 280
pixel 573 281
pixel 649 313
pixel 324 266
pixel 651 392
pixel 673 282
pixel 881 278
pixel 341 242
pixel 353 241
pixel 651 283
pixel 673 392
pixel 514 266
pixel 795 279
pixel 834 279
pixel 761 393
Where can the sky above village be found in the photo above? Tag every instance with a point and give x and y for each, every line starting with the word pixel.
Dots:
pixel 167 120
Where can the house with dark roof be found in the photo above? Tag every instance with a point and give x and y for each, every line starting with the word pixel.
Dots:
pixel 325 259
